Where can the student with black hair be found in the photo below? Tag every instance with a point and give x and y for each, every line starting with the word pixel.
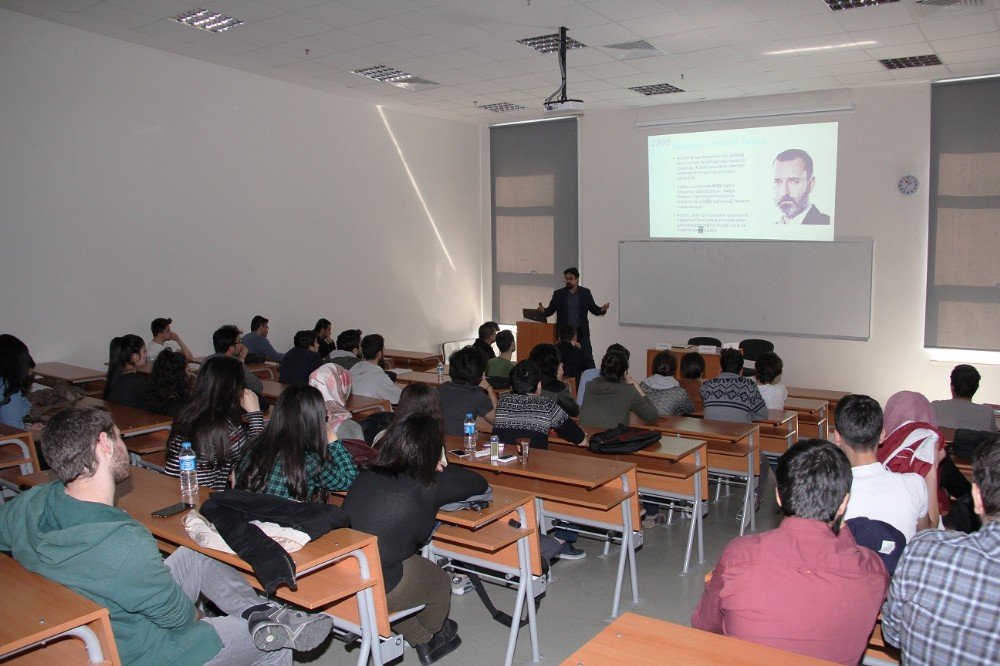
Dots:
pixel 807 586
pixel 525 412
pixel 570 352
pixel 324 336
pixel 397 499
pixel 298 456
pixel 767 373
pixel 300 360
pixel 547 358
pixel 615 395
pixel 15 381
pixel 124 384
pixel 692 370
pixel 169 384
pixel 257 343
pixel 487 335
pixel 226 341
pixel 500 366
pixel 368 377
pixel 468 392
pixel 164 337
pixel 960 411
pixel 664 389
pixel 348 351
pixel 730 396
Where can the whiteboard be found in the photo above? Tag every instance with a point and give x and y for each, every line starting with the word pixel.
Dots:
pixel 811 289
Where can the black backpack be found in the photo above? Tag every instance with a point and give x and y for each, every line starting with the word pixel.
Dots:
pixel 623 439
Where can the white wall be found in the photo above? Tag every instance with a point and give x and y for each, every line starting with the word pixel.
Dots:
pixel 885 137
pixel 137 183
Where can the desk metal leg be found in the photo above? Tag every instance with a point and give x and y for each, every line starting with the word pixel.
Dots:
pixel 525 592
pixel 627 553
pixel 695 520
pixel 751 481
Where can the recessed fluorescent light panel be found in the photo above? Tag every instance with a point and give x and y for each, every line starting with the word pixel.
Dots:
pixel 394 76
pixel 206 19
pixel 855 4
pixel 657 89
pixel 549 43
pixel 502 107
pixel 911 61
pixel 825 47
pixel 633 50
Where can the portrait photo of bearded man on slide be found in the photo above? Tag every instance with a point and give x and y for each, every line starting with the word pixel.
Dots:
pixel 793 182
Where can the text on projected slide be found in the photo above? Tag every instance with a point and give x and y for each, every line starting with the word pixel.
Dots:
pixel 775 183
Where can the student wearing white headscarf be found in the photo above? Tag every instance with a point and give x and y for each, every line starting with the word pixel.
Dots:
pixel 334 382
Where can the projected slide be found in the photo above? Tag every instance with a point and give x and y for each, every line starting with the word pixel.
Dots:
pixel 774 183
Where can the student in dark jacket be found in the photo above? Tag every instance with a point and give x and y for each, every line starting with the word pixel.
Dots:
pixel 169 384
pixel 571 353
pixel 487 336
pixel 300 360
pixel 546 357
pixel 397 499
pixel 124 385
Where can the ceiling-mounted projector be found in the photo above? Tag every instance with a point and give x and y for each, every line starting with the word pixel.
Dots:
pixel 557 103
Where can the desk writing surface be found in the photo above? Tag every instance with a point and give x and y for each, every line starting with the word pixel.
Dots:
pixel 816 394
pixel 706 429
pixel 561 468
pixel 634 639
pixel 807 405
pixel 128 419
pixel 420 378
pixel 668 448
pixel 73 374
pixel 777 417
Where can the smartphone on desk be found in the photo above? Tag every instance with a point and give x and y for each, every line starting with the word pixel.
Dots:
pixel 506 459
pixel 461 453
pixel 172 510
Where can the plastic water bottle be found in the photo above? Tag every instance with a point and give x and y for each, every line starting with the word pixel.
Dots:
pixel 440 371
pixel 469 429
pixel 188 473
pixel 494 449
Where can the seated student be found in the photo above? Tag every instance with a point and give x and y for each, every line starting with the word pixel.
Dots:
pixel 877 493
pixel 257 343
pixel 487 336
pixel 298 455
pixel 525 412
pixel 348 351
pixel 324 336
pixel 221 419
pixel 594 373
pixel 169 384
pixel 692 370
pixel 500 366
pixel 731 397
pixel 300 360
pixel 945 595
pixel 467 392
pixel 613 396
pixel 664 389
pixel 960 411
pixel 226 341
pixel 416 399
pixel 165 338
pixel 15 381
pixel 124 384
pixel 69 531
pixel 546 357
pixel 334 384
pixel 805 587
pixel 368 377
pixel 570 352
pixel 767 374
pixel 397 499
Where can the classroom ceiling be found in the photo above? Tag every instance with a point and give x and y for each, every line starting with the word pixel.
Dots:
pixel 709 49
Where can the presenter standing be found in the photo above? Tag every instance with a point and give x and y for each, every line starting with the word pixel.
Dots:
pixel 571 305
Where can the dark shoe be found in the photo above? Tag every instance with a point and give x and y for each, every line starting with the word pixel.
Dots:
pixel 569 552
pixel 280 627
pixel 444 642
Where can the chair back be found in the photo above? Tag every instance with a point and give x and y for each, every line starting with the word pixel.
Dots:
pixel 447 348
pixel 752 348
pixel 705 340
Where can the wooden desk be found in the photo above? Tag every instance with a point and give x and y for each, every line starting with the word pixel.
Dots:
pixel 663 475
pixel 813 416
pixel 420 378
pixel 74 374
pixel 778 431
pixel 600 494
pixel 832 398
pixel 355 404
pixel 487 539
pixel 41 611
pixel 732 451
pixel 129 420
pixel 339 573
pixel 635 639
pixel 713 365
pixel 415 360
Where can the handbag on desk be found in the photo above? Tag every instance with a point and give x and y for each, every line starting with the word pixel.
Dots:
pixel 623 439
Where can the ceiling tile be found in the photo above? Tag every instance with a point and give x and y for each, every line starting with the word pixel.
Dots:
pixel 460 58
pixel 623 10
pixel 783 9
pixel 294 25
pixel 292 5
pixel 863 78
pixel 245 10
pixel 604 34
pixel 157 8
pixel 981 41
pixel 609 70
pixel 113 15
pixel 668 23
pixel 270 58
pixel 766 88
pixel 902 34
pixel 219 44
pixel 173 32
pixel 307 67
pixel 959 26
pixel 336 15
pixel 70 5
pixel 340 40
pixel 465 37
pixel 297 48
pixel 879 16
pixel 991 53
pixel 255 35
pixel 384 8
pixel 381 31
pixel 422 45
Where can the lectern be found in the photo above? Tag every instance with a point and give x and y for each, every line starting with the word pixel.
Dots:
pixel 531 333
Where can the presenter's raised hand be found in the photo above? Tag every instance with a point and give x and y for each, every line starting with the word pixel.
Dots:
pixel 541 308
pixel 604 308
